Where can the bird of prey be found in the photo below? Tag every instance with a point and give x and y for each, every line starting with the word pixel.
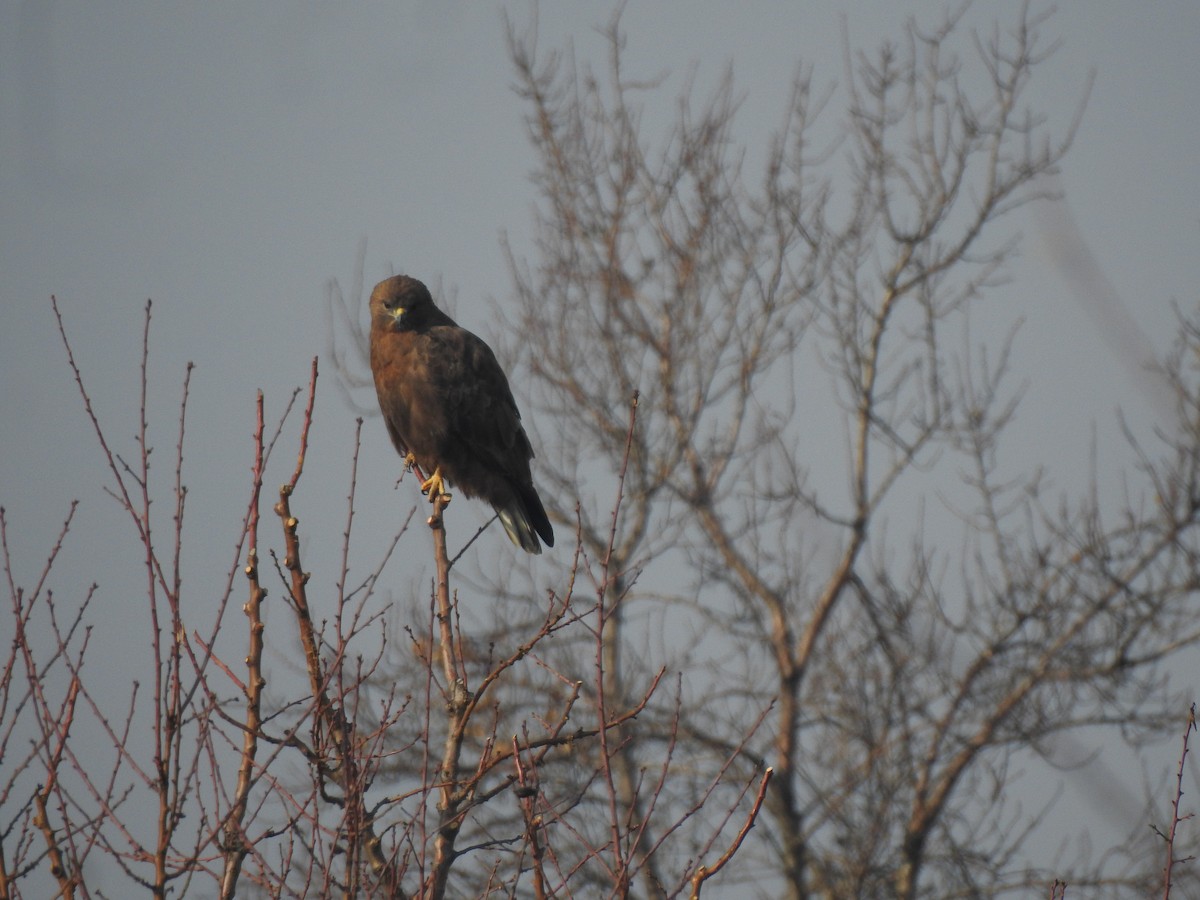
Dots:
pixel 449 409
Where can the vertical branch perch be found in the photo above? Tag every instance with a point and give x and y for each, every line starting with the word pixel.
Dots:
pixel 453 797
pixel 451 665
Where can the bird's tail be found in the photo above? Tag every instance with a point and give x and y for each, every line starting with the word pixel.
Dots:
pixel 524 518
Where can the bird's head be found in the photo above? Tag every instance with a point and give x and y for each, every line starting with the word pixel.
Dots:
pixel 401 303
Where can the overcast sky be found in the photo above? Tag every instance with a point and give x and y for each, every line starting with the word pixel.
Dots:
pixel 226 159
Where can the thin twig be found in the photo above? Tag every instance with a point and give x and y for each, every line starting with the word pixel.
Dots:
pixel 332 716
pixel 235 844
pixel 1176 818
pixel 527 794
pixel 706 872
pixel 66 879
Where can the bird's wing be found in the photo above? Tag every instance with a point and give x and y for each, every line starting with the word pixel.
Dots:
pixel 479 404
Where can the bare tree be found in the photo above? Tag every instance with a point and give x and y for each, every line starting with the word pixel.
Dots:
pixel 384 763
pixel 903 679
pixel 739 638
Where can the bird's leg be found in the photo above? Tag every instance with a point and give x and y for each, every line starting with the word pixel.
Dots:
pixel 435 486
pixel 409 465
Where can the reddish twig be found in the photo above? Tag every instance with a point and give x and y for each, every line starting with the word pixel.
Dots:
pixel 706 872
pixel 346 766
pixel 527 793
pixel 1176 818
pixel 308 414
pixel 235 844
pixel 66 879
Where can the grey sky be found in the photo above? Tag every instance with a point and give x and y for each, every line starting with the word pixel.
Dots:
pixel 225 159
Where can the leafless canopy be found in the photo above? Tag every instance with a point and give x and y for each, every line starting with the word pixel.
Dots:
pixel 763 313
pixel 767 665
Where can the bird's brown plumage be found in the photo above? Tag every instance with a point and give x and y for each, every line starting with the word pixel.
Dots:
pixel 448 405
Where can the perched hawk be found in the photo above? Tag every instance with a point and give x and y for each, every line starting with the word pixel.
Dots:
pixel 449 409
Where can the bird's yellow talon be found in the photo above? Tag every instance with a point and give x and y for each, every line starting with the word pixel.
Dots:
pixel 435 487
